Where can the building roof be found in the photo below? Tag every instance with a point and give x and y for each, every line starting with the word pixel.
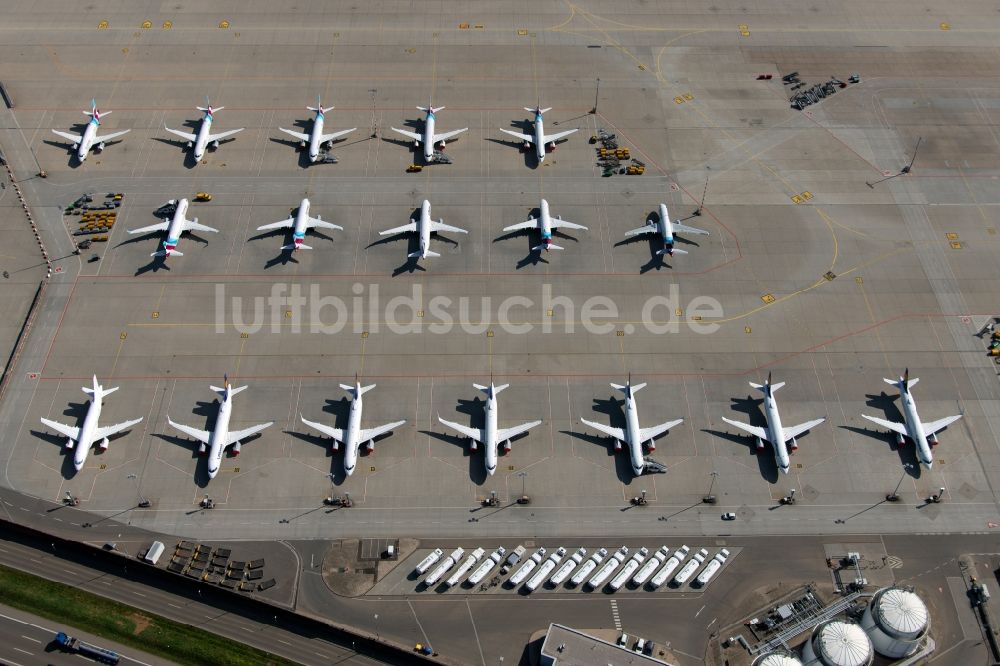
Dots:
pixel 564 646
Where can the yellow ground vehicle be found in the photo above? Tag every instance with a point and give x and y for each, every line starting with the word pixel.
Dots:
pixel 202 196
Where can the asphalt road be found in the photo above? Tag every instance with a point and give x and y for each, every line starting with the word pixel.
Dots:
pixel 27 639
pixel 275 639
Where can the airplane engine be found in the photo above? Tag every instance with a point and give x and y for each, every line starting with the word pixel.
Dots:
pixel 190 145
pixel 416 144
pixel 335 445
pixel 235 450
pixel 651 445
pixel 933 440
pixel 441 145
pixel 371 445
pixel 506 446
pixel 550 147
pixel 525 147
pixel 70 443
pixel 99 147
pixel 215 145
pixel 473 445
pixel 104 444
pixel 760 444
pixel 202 450
pixel 618 446
pixel 794 445
pixel 900 439
pixel 302 144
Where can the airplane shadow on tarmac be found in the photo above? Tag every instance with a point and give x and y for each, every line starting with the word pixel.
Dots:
pixel 474 410
pixel 751 408
pixel 209 411
pixel 890 412
pixel 73 415
pixel 612 409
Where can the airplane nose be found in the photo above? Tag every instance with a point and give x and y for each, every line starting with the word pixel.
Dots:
pixel 212 471
pixel 491 470
pixel 349 470
pixel 78 465
pixel 784 469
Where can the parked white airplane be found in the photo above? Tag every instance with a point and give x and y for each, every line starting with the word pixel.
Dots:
pixel 545 224
pixel 221 437
pixel 429 140
pixel 316 139
pixel 424 226
pixel 775 433
pixel 666 228
pixel 89 139
pixel 299 225
pixel 633 435
pixel 83 437
pixel 924 435
pixel 355 435
pixel 541 142
pixel 204 136
pixel 177 225
pixel 490 436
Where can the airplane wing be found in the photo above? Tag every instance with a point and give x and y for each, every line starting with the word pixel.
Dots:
pixel 194 226
pixel 372 433
pixel 795 431
pixel 940 424
pixel 646 434
pixel 683 228
pixel 549 138
pixel 243 434
pixel 298 135
pixel 69 431
pixel 412 135
pixel 441 226
pixel 200 435
pixel 283 224
pixel 438 138
pixel 223 135
pixel 888 425
pixel 527 224
pixel 330 137
pixel 412 226
pixel 336 433
pixel 648 229
pixel 186 135
pixel 557 223
pixel 465 430
pixel 162 226
pixel 616 433
pixel 509 433
pixel 323 224
pixel 73 138
pixel 107 431
pixel 522 137
pixel 109 137
pixel 756 431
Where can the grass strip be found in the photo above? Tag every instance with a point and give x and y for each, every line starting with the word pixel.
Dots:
pixel 124 624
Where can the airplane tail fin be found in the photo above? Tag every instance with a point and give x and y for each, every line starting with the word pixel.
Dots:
pixel 547 246
pixel 293 246
pixel 902 382
pixel 97 390
pixel 625 389
pixel 233 390
pixel 319 106
pixel 767 386
pixel 663 251
pixel 94 111
pixel 164 253
pixel 486 389
pixel 432 109
pixel 358 390
pixel 428 253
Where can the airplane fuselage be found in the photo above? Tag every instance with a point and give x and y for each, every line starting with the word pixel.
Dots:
pixel 316 138
pixel 176 227
pixel 915 428
pixel 219 436
pixel 539 138
pixel 666 229
pixel 429 137
pixel 87 140
pixel 351 444
pixel 86 439
pixel 775 432
pixel 633 435
pixel 301 222
pixel 201 141
pixel 424 228
pixel 545 223
pixel 490 442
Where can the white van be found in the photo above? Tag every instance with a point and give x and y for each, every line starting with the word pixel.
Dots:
pixel 154 552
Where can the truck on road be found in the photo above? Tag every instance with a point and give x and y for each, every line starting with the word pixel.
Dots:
pixel 76 646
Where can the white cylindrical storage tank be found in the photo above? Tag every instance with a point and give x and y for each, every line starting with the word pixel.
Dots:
pixel 896 621
pixel 837 643
pixel 777 659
